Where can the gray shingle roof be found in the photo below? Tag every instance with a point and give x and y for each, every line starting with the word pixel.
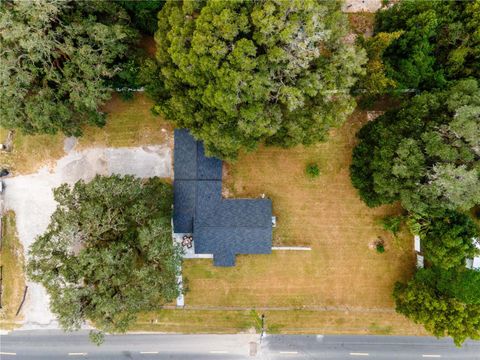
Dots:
pixel 220 227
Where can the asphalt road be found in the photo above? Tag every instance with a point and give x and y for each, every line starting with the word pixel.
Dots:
pixel 52 345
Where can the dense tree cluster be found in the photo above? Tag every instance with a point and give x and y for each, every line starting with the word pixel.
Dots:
pixel 108 252
pixel 375 82
pixel 440 41
pixel 424 301
pixel 426 154
pixel 237 73
pixel 448 241
pixel 143 13
pixel 55 60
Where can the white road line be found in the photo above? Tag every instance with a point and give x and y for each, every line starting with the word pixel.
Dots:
pixel 218 352
pixel 289 352
pixel 7 353
pixel 431 356
pixel 77 354
pixel 359 354
pixel 148 352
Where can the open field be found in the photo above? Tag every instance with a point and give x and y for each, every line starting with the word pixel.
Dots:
pixel 129 123
pixel 342 270
pixel 13 279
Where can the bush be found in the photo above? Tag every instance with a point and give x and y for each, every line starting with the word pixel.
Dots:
pixel 392 224
pixel 312 170
pixel 380 247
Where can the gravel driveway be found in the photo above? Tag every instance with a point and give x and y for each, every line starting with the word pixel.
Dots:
pixel 31 197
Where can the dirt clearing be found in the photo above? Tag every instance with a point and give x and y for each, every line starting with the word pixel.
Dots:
pixel 31 197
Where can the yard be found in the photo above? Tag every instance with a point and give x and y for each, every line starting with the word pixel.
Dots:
pixel 13 280
pixel 343 284
pixel 129 123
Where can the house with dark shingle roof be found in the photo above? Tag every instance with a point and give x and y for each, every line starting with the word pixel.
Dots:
pixel 222 227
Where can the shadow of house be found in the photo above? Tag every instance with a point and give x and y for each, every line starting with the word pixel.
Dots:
pixel 222 227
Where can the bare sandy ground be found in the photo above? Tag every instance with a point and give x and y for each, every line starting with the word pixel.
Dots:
pixel 354 6
pixel 31 197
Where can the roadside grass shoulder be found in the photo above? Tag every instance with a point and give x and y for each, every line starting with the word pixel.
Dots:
pixel 13 278
pixel 196 321
pixel 276 322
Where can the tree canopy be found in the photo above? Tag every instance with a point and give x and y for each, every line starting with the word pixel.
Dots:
pixel 143 13
pixel 241 72
pixel 375 81
pixel 55 60
pixel 440 42
pixel 422 301
pixel 462 284
pixel 425 154
pixel 108 252
pixel 449 240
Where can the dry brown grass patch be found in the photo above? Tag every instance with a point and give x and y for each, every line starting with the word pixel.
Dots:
pixel 324 213
pixel 13 278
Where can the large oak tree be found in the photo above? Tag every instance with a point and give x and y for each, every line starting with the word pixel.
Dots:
pixel 56 58
pixel 108 252
pixel 440 41
pixel 425 300
pixel 426 154
pixel 241 72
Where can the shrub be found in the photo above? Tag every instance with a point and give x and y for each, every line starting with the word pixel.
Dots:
pixel 380 247
pixel 312 170
pixel 392 224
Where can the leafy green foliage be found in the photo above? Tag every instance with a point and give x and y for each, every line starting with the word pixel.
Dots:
pixel 143 13
pixel 441 314
pixel 392 224
pixel 107 253
pixel 462 284
pixel 380 247
pixel 238 73
pixel 96 337
pixel 375 82
pixel 440 42
pixel 312 170
pixel 448 240
pixel 55 60
pixel 425 154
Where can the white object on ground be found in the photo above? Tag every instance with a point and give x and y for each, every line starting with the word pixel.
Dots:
pixel 180 298
pixel 475 262
pixel 417 243
pixel 420 261
pixel 31 198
